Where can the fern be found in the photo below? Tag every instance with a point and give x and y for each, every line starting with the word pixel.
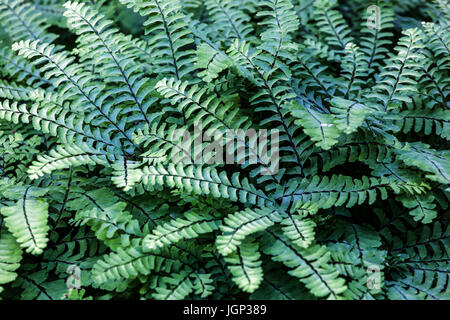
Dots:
pixel 319 126
pixel 241 224
pixel 28 211
pixel 230 21
pixel 349 115
pixel 114 114
pixel 204 182
pixel 400 73
pixel 11 254
pixel 418 118
pixel 164 24
pixel 92 27
pixel 178 229
pixel 245 266
pixel 23 21
pixel 375 39
pixel 332 24
pixel 310 266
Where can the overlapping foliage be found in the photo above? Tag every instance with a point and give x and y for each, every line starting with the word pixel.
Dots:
pixel 90 98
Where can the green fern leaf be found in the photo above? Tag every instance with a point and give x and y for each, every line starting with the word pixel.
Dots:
pixel 27 218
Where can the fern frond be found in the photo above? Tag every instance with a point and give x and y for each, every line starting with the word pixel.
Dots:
pixel 170 40
pixel 224 149
pixel 132 261
pixel 418 118
pixel 203 181
pixel 343 190
pixel 277 285
pixel 426 288
pixel 22 21
pixel 435 163
pixel 245 266
pixel 63 158
pixel 332 24
pixel 314 76
pixel 348 115
pixel 50 118
pixel 13 91
pixel 189 227
pixel 422 208
pixel 375 38
pixel 399 74
pixel 439 42
pixel 280 21
pixel 299 230
pixel 107 217
pixel 354 68
pixel 241 224
pixel 26 219
pixel 212 61
pixel 434 238
pixel 434 85
pixel 126 173
pixel 97 33
pixel 310 265
pixel 10 256
pixel 204 109
pixel 357 254
pixel 163 142
pixel 230 20
pixel 319 126
pixel 271 97
pixel 177 286
pixel 19 69
pixel 59 66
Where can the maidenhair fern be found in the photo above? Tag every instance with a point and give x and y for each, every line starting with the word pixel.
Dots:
pixel 223 149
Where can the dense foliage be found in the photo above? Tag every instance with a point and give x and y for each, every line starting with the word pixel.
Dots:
pixel 91 93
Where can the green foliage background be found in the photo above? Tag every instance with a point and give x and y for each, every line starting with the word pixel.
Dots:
pixel 91 92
